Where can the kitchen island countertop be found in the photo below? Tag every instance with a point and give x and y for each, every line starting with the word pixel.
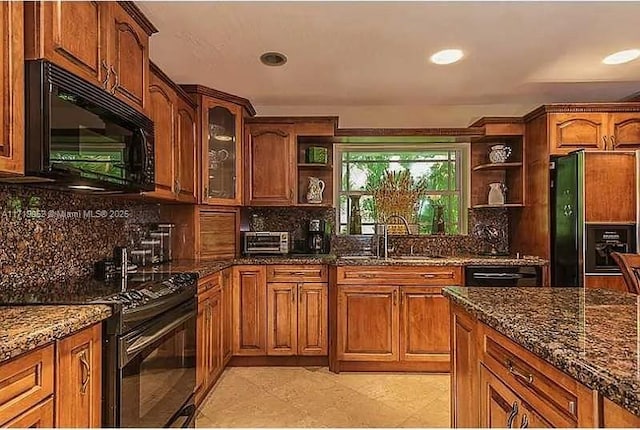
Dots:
pixel 590 334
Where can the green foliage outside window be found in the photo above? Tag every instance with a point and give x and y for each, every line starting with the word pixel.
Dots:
pixel 361 171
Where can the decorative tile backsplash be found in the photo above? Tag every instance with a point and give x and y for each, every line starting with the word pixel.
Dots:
pixel 295 220
pixel 49 235
pixel 488 229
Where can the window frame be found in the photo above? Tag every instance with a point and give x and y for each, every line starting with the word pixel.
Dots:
pixel 463 173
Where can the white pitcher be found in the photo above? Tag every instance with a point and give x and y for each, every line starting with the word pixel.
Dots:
pixel 497 191
pixel 315 190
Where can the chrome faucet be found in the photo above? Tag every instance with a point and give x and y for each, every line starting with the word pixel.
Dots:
pixel 385 231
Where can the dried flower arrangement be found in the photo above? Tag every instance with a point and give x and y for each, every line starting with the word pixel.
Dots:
pixel 398 194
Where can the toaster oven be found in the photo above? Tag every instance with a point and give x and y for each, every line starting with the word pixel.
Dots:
pixel 266 242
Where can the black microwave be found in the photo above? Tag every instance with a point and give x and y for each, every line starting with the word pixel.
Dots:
pixel 80 137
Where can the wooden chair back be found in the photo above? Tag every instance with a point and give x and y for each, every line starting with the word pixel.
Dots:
pixel 630 267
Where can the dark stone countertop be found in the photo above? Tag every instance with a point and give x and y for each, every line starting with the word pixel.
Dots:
pixel 590 334
pixel 472 260
pixel 24 328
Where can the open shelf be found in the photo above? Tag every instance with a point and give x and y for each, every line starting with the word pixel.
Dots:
pixel 506 205
pixel 315 166
pixel 498 166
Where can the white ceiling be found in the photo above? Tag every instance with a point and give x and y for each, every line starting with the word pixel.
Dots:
pixel 368 61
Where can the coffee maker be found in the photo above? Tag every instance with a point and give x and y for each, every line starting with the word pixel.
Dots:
pixel 318 240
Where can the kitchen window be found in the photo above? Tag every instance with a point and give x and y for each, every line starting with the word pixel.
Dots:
pixel 443 168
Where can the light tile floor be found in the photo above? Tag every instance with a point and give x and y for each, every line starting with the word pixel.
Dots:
pixel 315 397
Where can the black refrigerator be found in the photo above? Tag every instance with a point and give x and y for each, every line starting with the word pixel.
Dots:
pixel 582 247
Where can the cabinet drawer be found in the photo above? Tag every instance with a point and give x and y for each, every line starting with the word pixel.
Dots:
pixel 296 273
pixel 534 380
pixel 24 382
pixel 209 283
pixel 401 275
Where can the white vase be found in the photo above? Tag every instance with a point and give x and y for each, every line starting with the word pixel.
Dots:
pixel 497 192
pixel 315 190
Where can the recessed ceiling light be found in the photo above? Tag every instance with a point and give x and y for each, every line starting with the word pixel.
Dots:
pixel 273 59
pixel 621 57
pixel 447 56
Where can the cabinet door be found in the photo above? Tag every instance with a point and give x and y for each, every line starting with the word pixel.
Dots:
pixel 185 153
pixel 11 88
pixel 162 109
pixel 202 343
pixel 624 130
pixel 282 319
pixel 249 310
pixel 214 339
pixel 499 406
pixel 227 316
pixel 424 324
pixel 78 375
pixel 221 152
pixel 40 416
pixel 368 323
pixel 464 371
pixel 270 164
pixel 568 132
pixel 71 35
pixel 128 53
pixel 312 318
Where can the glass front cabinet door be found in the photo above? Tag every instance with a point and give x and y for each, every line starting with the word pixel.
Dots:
pixel 221 152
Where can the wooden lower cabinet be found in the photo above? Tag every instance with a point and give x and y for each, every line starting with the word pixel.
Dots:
pixel 368 323
pixel 227 315
pixel 40 416
pixel 78 379
pixel 312 318
pixel 57 385
pixel 249 310
pixel 209 356
pixel 500 407
pixel 282 319
pixel 465 367
pixel 424 324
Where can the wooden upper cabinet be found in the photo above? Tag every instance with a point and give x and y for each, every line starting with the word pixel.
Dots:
pixel 569 131
pixel 128 47
pixel 624 130
pixel 11 89
pixel 270 164
pixel 368 323
pixel 78 375
pixel 105 43
pixel 312 318
pixel 72 35
pixel 221 152
pixel 282 319
pixel 249 310
pixel 185 183
pixel 424 324
pixel 162 110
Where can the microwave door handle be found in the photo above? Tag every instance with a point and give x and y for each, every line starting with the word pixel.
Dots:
pixel 144 153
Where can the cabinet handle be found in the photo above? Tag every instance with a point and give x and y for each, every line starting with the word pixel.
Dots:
pixel 116 84
pixel 613 142
pixel 395 297
pixel 293 294
pixel 296 273
pixel 290 193
pixel 107 76
pixel 365 275
pixel 604 140
pixel 512 414
pixel 401 297
pixel 524 423
pixel 86 373
pixel 177 186
pixel 572 407
pixel 515 372
pixel 428 275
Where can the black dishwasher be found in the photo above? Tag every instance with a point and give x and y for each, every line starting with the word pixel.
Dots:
pixel 503 276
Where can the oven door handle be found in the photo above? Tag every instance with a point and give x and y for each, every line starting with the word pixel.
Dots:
pixel 132 347
pixel 498 275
